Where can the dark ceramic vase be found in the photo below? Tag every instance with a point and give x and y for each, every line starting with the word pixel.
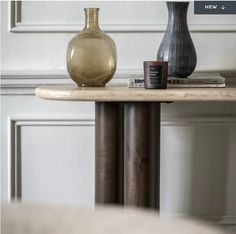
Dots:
pixel 177 46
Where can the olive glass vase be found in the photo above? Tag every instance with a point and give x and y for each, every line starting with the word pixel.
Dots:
pixel 177 47
pixel 91 54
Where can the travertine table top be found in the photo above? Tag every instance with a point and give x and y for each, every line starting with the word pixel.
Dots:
pixel 115 93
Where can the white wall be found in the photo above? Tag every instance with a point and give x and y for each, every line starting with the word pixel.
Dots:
pixel 55 140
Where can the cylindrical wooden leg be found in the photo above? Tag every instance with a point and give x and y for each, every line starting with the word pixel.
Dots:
pixel 107 153
pixel 142 154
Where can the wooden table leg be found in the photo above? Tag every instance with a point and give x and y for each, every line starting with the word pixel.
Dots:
pixel 142 154
pixel 107 150
pixel 128 154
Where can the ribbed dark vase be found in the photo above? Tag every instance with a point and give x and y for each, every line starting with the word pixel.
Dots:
pixel 177 46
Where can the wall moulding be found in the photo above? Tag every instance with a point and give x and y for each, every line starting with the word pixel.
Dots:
pixel 18 25
pixel 16 123
pixel 24 82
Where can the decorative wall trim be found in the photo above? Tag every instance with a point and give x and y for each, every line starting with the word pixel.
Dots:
pixel 14 13
pixel 24 82
pixel 15 124
pixel 17 26
pixel 220 219
pixel 228 220
pixel 119 28
pixel 210 120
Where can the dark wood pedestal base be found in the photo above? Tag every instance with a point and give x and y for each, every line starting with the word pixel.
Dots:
pixel 128 153
pixel 107 153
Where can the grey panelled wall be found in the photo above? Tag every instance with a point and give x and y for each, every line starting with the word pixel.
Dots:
pixel 53 142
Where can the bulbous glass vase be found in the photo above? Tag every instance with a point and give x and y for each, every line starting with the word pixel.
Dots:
pixel 91 54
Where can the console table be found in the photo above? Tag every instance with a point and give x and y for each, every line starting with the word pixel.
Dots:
pixel 127 131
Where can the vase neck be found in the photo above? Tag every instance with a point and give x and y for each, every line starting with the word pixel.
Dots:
pixel 91 19
pixel 177 12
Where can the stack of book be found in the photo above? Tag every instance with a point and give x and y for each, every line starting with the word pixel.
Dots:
pixel 197 80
